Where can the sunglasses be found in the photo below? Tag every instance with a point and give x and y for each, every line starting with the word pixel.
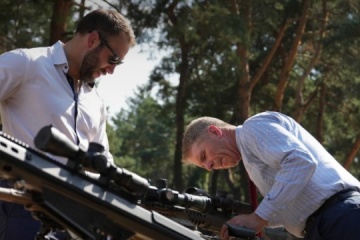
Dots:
pixel 114 59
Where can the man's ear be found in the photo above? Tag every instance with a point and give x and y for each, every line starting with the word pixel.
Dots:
pixel 92 38
pixel 213 130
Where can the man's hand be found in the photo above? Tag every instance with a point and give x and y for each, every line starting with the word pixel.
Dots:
pixel 251 221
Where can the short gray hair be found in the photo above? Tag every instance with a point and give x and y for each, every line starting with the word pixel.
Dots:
pixel 195 129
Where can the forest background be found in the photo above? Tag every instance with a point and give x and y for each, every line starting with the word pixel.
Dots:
pixel 232 59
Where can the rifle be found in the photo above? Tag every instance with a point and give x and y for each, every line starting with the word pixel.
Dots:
pixel 118 204
pixel 194 205
pixel 64 197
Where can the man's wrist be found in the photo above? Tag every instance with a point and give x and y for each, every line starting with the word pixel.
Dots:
pixel 264 222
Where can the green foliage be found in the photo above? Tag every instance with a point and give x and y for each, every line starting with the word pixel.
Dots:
pixel 212 31
pixel 24 23
pixel 144 136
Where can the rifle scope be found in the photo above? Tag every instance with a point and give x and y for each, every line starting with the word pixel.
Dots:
pixel 51 140
pixel 196 199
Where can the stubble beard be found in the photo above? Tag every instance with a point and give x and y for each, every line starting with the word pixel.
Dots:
pixel 89 66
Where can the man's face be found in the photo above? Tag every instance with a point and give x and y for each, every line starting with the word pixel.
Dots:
pixel 100 60
pixel 213 151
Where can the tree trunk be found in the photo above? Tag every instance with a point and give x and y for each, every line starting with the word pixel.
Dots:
pixel 179 119
pixel 227 173
pixel 244 92
pixel 289 61
pixel 180 100
pixel 213 182
pixel 58 25
pixel 320 117
pixel 301 105
pixel 354 150
pixel 244 95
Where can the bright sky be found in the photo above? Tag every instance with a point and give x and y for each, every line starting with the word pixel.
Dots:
pixel 119 86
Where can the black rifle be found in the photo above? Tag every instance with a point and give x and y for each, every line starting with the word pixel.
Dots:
pixel 64 197
pixel 192 209
pixel 117 205
pixel 194 206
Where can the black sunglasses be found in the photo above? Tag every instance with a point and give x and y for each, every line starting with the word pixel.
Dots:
pixel 115 59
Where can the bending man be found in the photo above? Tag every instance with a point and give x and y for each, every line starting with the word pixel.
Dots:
pixel 305 189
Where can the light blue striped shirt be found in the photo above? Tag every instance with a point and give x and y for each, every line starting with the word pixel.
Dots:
pixel 290 168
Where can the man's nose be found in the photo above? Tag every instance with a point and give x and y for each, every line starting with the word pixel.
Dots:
pixel 110 69
pixel 209 165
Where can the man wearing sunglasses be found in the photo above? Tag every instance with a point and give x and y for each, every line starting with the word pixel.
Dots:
pixel 55 85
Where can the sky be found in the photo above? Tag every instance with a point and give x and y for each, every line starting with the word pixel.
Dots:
pixel 120 85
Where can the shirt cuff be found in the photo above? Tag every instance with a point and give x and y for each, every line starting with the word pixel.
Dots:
pixel 266 210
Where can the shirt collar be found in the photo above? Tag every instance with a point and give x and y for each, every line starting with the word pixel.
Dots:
pixel 59 57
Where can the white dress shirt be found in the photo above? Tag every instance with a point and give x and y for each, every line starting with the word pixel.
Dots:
pixel 290 168
pixel 34 92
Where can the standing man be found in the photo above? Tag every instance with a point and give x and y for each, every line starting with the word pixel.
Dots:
pixel 55 85
pixel 305 189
